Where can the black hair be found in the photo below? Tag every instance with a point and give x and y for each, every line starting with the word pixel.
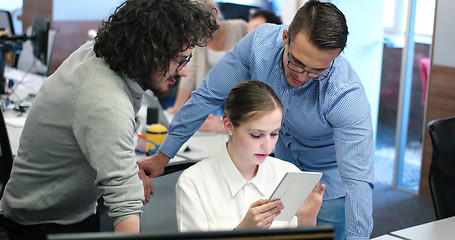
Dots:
pixel 323 24
pixel 248 99
pixel 269 16
pixel 142 36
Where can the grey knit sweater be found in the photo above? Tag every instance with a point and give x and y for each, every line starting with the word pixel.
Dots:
pixel 76 145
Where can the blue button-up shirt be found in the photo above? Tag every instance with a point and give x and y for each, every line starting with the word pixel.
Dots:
pixel 326 125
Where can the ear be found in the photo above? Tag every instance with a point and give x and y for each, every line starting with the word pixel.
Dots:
pixel 227 124
pixel 285 37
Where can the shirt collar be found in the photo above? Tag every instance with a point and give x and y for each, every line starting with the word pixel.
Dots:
pixel 136 92
pixel 135 88
pixel 235 179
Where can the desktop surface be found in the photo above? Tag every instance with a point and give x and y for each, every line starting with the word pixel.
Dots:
pixel 319 232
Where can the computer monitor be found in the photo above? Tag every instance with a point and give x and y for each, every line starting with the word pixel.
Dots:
pixel 6 21
pixel 319 232
pixel 40 34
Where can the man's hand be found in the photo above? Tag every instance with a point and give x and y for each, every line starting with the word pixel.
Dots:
pixel 148 186
pixel 154 165
pixel 261 214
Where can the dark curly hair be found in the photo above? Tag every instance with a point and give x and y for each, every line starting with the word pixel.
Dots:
pixel 142 36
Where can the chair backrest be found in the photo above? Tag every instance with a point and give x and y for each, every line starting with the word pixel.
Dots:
pixel 442 169
pixel 6 156
pixel 26 60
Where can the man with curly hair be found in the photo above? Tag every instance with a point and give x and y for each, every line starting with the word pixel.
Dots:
pixel 77 142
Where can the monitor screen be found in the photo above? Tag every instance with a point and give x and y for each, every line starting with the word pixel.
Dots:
pixel 6 22
pixel 40 34
pixel 319 232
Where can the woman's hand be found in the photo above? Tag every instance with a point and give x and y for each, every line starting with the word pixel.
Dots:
pixel 308 211
pixel 261 214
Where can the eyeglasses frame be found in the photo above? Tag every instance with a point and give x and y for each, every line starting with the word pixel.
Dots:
pixel 319 77
pixel 182 63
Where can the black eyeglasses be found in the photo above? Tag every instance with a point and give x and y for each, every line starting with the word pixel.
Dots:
pixel 182 63
pixel 296 68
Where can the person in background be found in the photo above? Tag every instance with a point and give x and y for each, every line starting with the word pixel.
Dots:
pixel 230 190
pixel 327 123
pixel 77 143
pixel 204 58
pixel 262 16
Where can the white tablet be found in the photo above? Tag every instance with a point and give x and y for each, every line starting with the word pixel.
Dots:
pixel 293 189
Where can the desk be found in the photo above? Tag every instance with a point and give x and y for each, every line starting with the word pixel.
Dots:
pixel 14 125
pixel 25 84
pixel 203 145
pixel 443 229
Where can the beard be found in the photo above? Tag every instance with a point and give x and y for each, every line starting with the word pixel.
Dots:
pixel 157 86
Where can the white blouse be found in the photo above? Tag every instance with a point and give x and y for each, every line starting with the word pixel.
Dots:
pixel 212 194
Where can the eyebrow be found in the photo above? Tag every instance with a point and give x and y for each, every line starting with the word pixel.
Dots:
pixel 263 131
pixel 182 56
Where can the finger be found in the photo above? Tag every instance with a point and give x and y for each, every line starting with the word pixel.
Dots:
pixel 149 189
pixel 271 204
pixel 142 165
pixel 269 208
pixel 268 220
pixel 145 183
pixel 322 188
pixel 148 185
pixel 316 187
pixel 259 203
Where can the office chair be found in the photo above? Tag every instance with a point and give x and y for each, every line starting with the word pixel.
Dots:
pixel 442 168
pixel 6 156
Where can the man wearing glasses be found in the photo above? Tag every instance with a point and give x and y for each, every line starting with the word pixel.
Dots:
pixel 77 143
pixel 326 125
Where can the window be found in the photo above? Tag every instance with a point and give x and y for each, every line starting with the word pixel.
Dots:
pixel 395 20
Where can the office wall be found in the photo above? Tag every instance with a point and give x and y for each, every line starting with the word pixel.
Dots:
pixel 74 19
pixel 30 7
pixel 441 83
pixel 83 10
pixel 365 46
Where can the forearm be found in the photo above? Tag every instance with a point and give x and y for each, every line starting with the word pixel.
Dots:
pixel 130 224
pixel 305 222
pixel 359 210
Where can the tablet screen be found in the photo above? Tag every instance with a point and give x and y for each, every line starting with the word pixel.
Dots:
pixel 293 189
